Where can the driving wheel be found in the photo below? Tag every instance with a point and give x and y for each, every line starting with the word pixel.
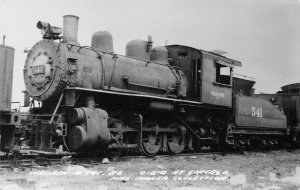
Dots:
pixel 176 141
pixel 151 140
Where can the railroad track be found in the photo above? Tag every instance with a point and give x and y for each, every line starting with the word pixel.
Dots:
pixel 184 155
pixel 28 160
pixel 31 160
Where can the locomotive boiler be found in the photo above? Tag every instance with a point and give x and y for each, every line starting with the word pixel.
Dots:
pixel 51 66
pixel 152 100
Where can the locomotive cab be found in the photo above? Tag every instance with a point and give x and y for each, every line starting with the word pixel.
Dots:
pixel 209 74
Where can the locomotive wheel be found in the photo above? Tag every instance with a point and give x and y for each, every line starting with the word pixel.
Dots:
pixel 176 141
pixel 117 137
pixel 151 141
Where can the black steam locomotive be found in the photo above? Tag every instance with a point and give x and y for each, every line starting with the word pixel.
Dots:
pixel 153 100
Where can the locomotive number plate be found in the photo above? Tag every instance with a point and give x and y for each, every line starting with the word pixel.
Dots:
pixel 38 69
pixel 256 112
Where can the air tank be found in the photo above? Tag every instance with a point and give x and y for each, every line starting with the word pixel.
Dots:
pixel 6 76
pixel 102 40
pixel 159 54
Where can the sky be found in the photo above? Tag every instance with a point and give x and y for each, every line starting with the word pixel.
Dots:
pixel 263 34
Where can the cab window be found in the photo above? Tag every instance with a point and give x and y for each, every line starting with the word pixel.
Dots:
pixel 223 74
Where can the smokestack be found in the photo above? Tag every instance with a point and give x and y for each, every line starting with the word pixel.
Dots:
pixel 70 29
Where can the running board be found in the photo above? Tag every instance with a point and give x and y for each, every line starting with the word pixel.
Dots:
pixel 251 131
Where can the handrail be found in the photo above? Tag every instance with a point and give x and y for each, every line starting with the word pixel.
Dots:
pixel 90 48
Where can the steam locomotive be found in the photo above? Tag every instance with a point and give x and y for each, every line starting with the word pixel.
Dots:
pixel 165 99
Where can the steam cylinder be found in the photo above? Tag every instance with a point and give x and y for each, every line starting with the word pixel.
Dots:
pixel 6 76
pixel 102 40
pixel 90 132
pixel 47 72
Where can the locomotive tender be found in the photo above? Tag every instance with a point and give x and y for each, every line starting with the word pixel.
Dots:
pixel 153 99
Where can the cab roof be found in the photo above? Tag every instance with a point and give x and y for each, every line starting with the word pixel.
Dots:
pixel 218 58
